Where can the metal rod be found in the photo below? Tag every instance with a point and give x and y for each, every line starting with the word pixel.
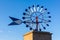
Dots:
pixel 37 23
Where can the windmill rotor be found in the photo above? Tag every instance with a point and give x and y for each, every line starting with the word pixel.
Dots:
pixel 42 17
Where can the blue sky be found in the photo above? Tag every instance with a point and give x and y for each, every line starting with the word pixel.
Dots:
pixel 15 8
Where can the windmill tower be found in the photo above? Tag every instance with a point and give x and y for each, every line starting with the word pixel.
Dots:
pixel 35 18
pixel 34 35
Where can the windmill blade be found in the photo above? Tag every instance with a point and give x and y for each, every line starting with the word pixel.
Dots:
pixel 47 24
pixel 27 25
pixel 43 26
pixel 49 16
pixel 48 13
pixel 39 29
pixel 13 19
pixel 30 28
pixel 36 30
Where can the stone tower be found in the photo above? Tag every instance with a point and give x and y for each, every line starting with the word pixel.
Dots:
pixel 36 35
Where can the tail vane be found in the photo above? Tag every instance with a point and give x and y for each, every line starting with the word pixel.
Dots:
pixel 13 23
pixel 13 19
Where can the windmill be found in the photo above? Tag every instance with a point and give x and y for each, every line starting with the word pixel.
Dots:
pixel 35 17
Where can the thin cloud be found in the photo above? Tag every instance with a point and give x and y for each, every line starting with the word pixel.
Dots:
pixel 1 31
pixel 9 31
